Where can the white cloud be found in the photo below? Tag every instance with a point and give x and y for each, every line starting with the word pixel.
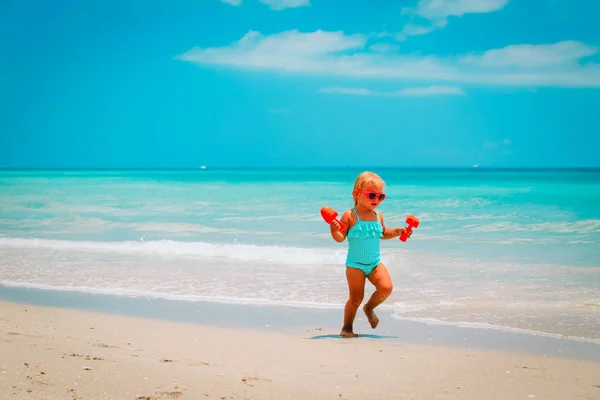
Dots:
pixel 415 30
pixel 276 5
pixel 436 12
pixel 531 56
pixel 342 90
pixel 285 44
pixel 431 91
pixel 411 29
pixel 279 5
pixel 336 54
pixel 417 91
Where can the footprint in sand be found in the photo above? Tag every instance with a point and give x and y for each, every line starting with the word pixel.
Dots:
pixel 73 395
pixel 105 345
pixel 173 395
pixel 198 363
pixel 255 378
pixel 87 357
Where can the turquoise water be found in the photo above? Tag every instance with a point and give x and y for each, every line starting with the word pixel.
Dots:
pixel 515 250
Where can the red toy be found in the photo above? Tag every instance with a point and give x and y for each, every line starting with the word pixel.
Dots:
pixel 412 222
pixel 330 215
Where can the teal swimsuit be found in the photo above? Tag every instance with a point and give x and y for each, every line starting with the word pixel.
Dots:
pixel 363 244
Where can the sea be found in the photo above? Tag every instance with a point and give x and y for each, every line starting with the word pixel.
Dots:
pixel 514 250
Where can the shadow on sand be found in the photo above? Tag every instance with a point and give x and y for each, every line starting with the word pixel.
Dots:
pixel 360 335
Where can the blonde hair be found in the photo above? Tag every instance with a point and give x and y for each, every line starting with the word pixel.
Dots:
pixel 364 179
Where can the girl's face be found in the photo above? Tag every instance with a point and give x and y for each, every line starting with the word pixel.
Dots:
pixel 370 196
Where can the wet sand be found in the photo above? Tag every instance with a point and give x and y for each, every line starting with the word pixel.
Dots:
pixel 60 353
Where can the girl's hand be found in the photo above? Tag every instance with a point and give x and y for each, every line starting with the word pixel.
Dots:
pixel 335 226
pixel 400 231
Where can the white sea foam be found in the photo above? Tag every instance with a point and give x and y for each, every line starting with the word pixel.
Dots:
pixel 401 308
pixel 75 223
pixel 480 325
pixel 436 217
pixel 453 202
pixel 106 206
pixel 581 226
pixel 241 252
pixel 283 217
pixel 171 296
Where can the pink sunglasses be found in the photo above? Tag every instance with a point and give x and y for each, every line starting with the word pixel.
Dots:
pixel 374 195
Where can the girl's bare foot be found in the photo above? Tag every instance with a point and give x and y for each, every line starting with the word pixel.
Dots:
pixel 348 333
pixel 373 319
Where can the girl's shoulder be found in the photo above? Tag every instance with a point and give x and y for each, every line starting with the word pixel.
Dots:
pixel 349 218
pixel 349 214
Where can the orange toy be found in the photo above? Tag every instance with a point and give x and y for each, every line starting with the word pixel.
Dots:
pixel 412 222
pixel 330 215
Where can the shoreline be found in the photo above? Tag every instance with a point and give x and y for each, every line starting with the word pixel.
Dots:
pixel 384 308
pixel 57 352
pixel 288 319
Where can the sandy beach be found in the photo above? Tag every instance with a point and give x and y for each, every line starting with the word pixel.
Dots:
pixel 60 353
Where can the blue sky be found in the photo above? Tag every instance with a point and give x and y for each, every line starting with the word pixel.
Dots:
pixel 299 83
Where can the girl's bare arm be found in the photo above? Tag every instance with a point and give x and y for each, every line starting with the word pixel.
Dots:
pixel 337 234
pixel 389 233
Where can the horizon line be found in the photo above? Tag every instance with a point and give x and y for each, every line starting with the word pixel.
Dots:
pixel 469 168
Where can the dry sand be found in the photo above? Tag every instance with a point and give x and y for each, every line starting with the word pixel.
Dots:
pixel 56 353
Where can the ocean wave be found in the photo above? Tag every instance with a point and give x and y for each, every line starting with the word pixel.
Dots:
pixel 71 220
pixel 240 252
pixel 105 206
pixel 504 328
pixel 582 226
pixel 435 217
pixel 171 296
pixel 450 190
pixel 77 224
pixel 286 217
pixel 453 202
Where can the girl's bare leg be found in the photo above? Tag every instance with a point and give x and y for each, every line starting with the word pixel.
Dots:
pixel 380 278
pixel 356 293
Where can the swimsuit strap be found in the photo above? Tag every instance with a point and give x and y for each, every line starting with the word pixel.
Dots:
pixel 379 220
pixel 358 219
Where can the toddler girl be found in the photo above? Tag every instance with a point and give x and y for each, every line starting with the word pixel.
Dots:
pixel 364 229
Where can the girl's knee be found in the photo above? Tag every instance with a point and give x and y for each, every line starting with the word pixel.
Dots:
pixel 356 300
pixel 386 289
